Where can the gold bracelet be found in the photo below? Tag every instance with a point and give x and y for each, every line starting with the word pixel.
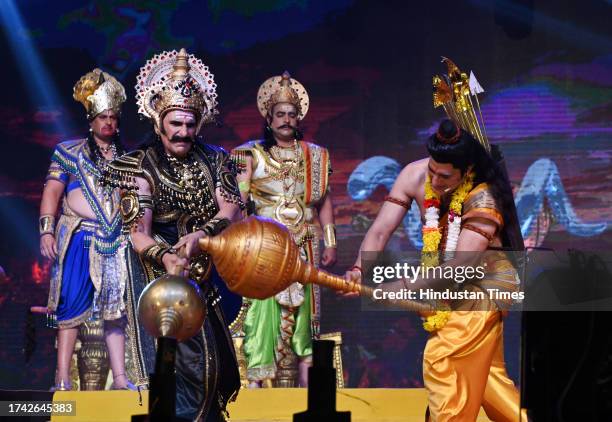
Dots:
pixel 214 226
pixel 155 253
pixel 149 253
pixel 46 224
pixel 329 235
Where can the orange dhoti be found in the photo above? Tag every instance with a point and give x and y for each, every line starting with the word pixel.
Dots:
pixel 464 368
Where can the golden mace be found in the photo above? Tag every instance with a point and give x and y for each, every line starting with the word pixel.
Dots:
pixel 171 306
pixel 257 258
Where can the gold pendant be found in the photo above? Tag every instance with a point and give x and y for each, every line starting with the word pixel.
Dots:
pixel 289 213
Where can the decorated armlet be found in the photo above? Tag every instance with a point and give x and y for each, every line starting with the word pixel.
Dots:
pixel 118 178
pixel 329 235
pixel 231 196
pixel 396 201
pixel 228 186
pixel 478 230
pixel 239 158
pixel 481 203
pixel 56 172
pixel 215 226
pixel 122 172
pixel 155 253
pixel 46 224
pixel 133 207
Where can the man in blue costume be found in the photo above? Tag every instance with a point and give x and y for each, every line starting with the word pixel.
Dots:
pixel 88 275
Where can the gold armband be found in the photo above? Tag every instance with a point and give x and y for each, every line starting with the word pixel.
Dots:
pixel 329 235
pixel 146 201
pixel 46 224
pixel 244 186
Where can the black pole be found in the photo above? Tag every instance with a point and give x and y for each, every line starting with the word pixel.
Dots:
pixel 322 387
pixel 162 396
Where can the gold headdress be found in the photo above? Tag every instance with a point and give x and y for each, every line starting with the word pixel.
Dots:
pixel 99 91
pixel 282 89
pixel 176 81
pixel 454 92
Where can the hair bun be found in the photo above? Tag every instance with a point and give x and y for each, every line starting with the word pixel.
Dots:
pixel 448 132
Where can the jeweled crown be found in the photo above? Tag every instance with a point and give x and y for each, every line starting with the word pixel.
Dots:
pixel 176 81
pixel 282 89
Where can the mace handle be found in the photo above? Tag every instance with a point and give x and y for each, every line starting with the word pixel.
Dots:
pixel 336 282
pixel 178 269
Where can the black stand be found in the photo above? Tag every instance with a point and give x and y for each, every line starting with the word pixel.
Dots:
pixel 162 396
pixel 566 357
pixel 322 387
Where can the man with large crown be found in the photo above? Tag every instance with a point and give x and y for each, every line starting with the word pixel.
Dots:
pixel 175 190
pixel 85 243
pixel 466 203
pixel 286 179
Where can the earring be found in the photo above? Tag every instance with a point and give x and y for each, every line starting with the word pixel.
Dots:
pixel 118 131
pixel 90 130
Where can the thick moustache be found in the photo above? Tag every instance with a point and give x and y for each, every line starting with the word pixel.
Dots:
pixel 176 140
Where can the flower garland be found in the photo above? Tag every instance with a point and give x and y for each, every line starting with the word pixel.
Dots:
pixel 432 235
pixel 436 321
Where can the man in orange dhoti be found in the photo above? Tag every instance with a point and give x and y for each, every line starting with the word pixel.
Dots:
pixel 466 202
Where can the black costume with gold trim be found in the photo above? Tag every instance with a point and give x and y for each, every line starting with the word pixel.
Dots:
pixel 183 201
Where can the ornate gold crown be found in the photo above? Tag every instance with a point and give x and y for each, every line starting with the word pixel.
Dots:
pixel 99 91
pixel 176 81
pixel 454 92
pixel 282 89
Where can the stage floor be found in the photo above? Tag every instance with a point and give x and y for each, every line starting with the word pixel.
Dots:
pixel 270 405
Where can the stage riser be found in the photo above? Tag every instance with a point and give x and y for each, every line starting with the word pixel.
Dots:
pixel 365 404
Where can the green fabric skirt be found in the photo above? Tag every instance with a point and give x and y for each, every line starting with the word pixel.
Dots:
pixel 262 331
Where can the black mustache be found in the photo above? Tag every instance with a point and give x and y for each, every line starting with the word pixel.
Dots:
pixel 286 127
pixel 177 139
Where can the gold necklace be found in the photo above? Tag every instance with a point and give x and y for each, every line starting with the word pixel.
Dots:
pixel 289 167
pixel 194 197
pixel 290 172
